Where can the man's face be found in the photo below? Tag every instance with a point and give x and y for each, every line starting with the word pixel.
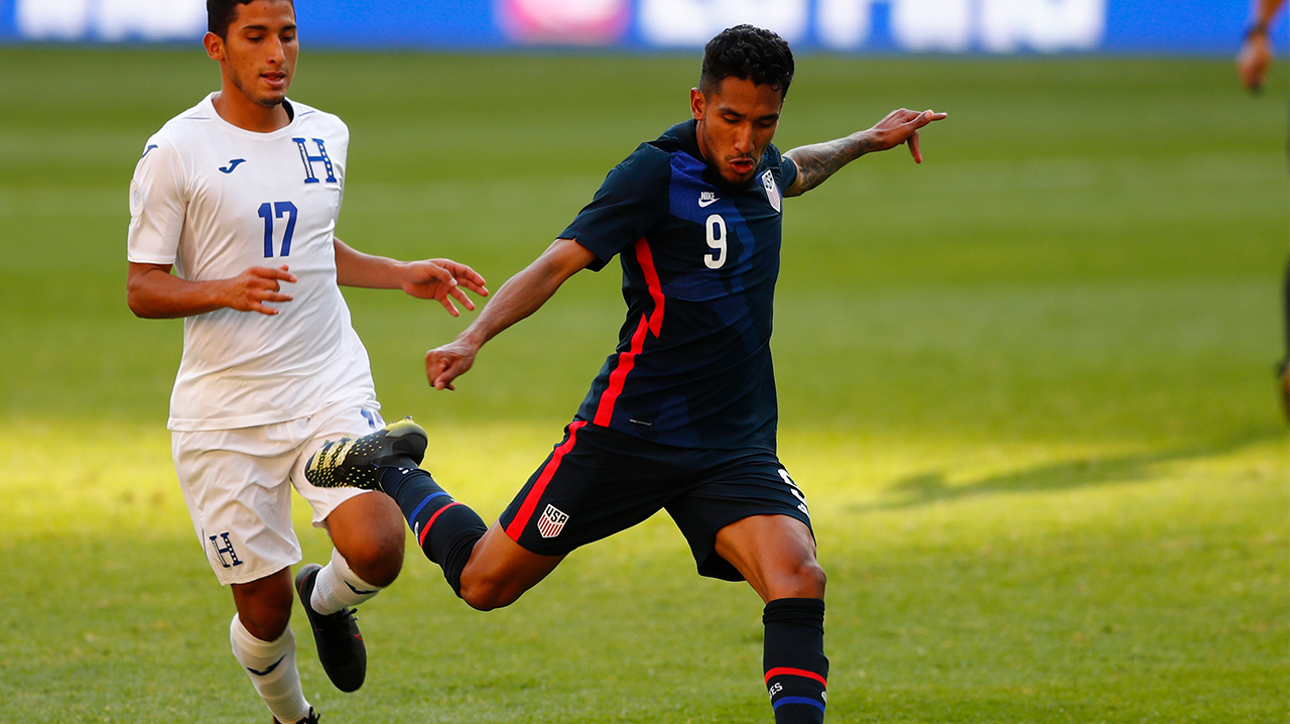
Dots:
pixel 259 56
pixel 736 123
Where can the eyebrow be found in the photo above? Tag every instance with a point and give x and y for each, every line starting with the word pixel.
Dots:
pixel 265 28
pixel 730 112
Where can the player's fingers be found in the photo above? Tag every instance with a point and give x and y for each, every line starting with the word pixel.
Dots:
pixel 913 147
pixel 447 304
pixel 460 270
pixel 473 286
pixel 279 273
pixel 430 270
pixel 443 379
pixel 926 117
pixel 434 365
pixel 473 281
pixel 460 296
pixel 471 274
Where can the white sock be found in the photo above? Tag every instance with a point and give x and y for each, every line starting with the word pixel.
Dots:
pixel 338 587
pixel 272 668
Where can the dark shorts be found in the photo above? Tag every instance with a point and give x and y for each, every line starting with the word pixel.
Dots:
pixel 598 481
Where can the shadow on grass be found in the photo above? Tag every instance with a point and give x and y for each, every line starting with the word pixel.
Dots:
pixel 931 487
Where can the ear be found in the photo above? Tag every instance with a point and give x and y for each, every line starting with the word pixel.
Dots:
pixel 697 103
pixel 214 46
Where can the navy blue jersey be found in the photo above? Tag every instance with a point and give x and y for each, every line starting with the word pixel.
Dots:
pixel 700 260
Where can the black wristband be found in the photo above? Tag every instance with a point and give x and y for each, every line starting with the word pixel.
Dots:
pixel 1256 29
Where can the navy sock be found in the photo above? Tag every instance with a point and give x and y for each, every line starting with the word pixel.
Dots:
pixel 445 529
pixel 796 669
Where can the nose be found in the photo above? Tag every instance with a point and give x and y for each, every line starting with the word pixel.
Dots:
pixel 276 53
pixel 744 139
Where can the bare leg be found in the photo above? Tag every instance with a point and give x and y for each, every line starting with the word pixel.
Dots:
pixel 777 555
pixel 264 646
pixel 500 571
pixel 368 531
pixel 264 605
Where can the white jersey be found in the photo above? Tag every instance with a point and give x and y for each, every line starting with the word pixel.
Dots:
pixel 213 200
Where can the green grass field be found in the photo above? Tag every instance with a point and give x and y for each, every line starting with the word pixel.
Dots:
pixel 1027 386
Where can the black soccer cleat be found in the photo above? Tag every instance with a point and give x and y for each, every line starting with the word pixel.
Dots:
pixel 340 644
pixel 357 463
pixel 311 719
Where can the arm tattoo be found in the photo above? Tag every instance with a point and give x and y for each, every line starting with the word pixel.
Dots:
pixel 818 161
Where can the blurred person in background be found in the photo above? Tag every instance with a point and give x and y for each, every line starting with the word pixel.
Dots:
pixel 1252 66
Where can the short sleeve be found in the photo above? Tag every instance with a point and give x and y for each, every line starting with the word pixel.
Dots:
pixel 157 205
pixel 787 171
pixel 631 200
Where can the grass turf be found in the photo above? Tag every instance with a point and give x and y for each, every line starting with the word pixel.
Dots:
pixel 1027 387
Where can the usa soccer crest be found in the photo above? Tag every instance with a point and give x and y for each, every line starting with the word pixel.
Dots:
pixel 552 521
pixel 772 190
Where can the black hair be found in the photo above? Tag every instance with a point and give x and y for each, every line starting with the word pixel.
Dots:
pixel 220 14
pixel 748 53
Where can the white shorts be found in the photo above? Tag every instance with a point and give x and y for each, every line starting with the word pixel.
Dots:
pixel 237 484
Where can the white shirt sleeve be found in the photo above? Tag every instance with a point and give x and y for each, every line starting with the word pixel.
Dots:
pixel 158 202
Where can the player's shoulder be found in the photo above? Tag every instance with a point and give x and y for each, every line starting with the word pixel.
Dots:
pixel 653 159
pixel 174 142
pixel 189 121
pixel 311 117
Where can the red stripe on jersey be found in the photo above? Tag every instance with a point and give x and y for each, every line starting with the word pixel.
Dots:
pixel 421 540
pixel 646 259
pixel 627 360
pixel 784 671
pixel 530 503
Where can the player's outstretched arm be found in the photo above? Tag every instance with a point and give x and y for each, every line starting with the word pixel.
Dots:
pixel 438 279
pixel 154 293
pixel 521 295
pixel 818 161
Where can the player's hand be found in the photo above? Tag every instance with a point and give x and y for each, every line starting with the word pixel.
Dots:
pixel 901 126
pixel 1253 61
pixel 248 291
pixel 447 363
pixel 442 280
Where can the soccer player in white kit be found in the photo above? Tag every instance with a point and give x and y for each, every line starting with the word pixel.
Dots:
pixel 240 196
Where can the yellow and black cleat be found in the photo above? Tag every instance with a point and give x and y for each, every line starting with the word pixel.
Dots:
pixel 357 462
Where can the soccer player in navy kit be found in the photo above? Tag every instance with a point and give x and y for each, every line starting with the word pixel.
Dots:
pixel 683 415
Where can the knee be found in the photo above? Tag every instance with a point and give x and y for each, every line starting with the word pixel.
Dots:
pixel 813 580
pixel 486 595
pixel 805 580
pixel 265 621
pixel 377 559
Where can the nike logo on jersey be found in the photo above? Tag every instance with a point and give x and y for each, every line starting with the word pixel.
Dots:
pixel 149 148
pixel 707 198
pixel 232 164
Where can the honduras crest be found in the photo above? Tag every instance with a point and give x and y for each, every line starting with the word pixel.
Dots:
pixel 552 521
pixel 772 190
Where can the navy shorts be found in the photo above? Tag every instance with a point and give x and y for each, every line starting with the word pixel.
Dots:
pixel 598 481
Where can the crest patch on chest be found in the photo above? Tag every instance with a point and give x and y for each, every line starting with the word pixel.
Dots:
pixel 772 190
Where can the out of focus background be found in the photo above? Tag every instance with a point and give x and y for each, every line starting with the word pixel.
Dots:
pixel 1028 386
pixel 844 26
